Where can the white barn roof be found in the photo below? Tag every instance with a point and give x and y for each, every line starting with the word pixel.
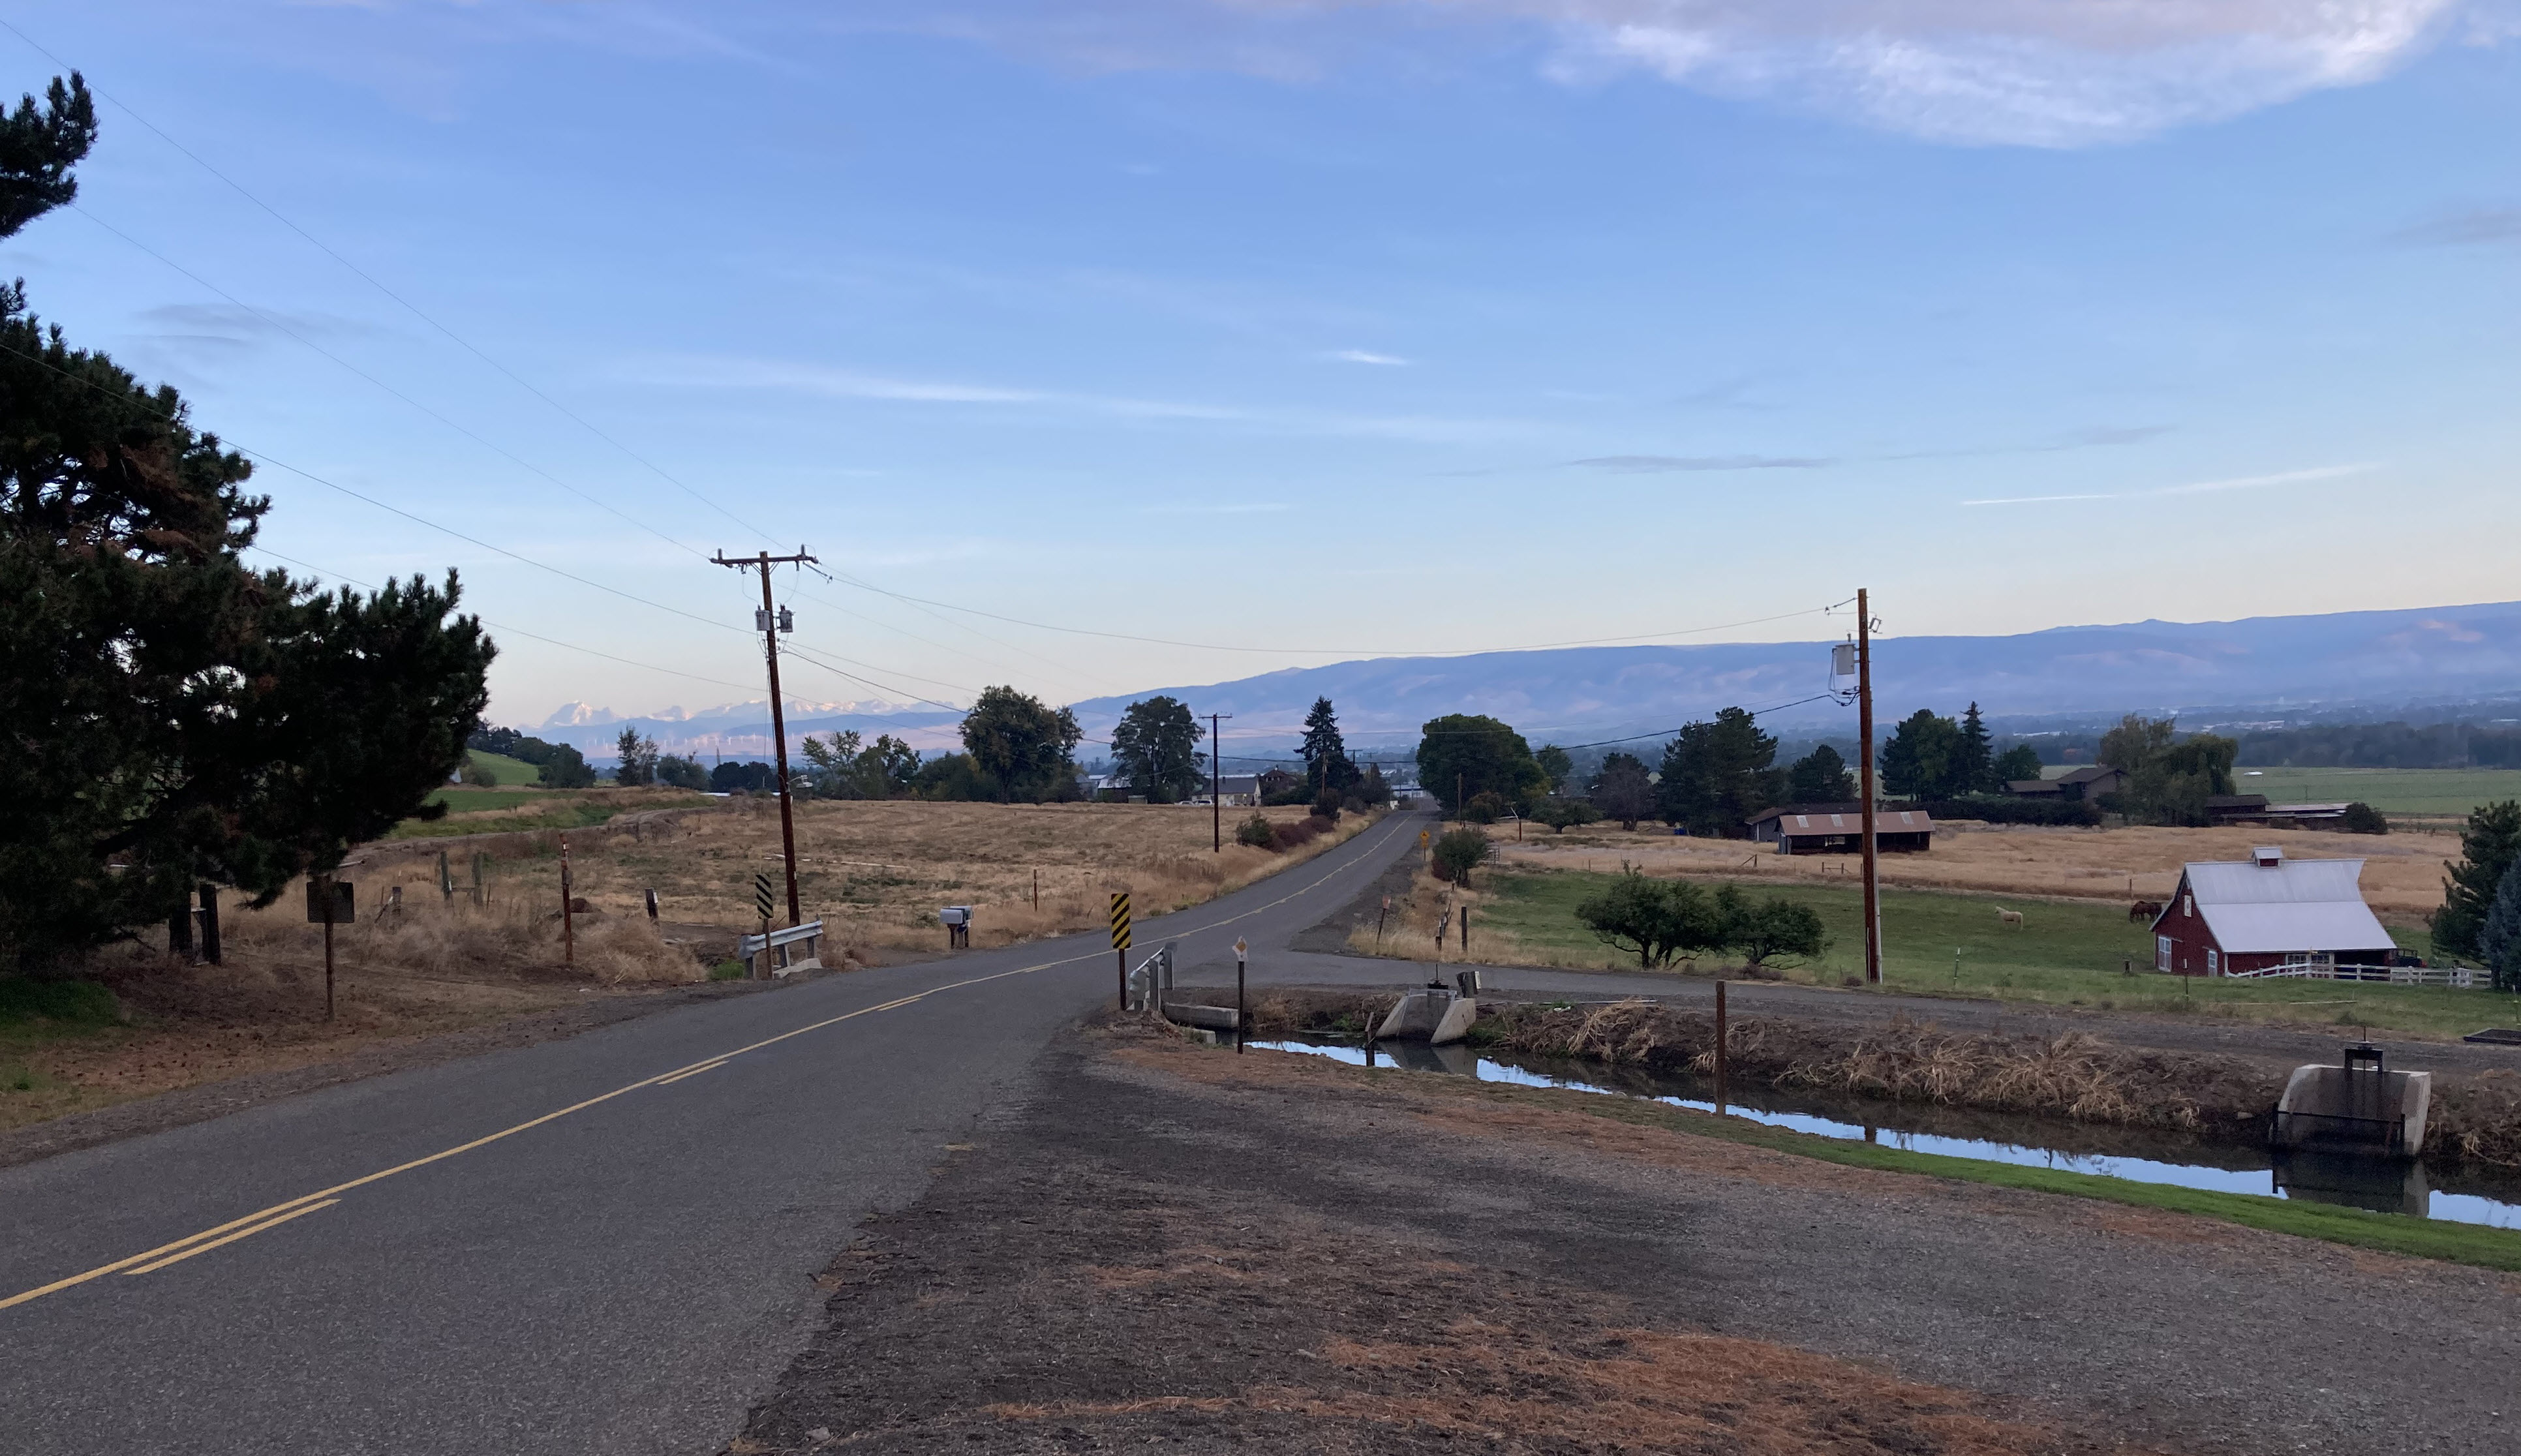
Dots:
pixel 2292 905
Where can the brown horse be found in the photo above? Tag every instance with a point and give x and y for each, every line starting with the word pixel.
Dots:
pixel 2144 910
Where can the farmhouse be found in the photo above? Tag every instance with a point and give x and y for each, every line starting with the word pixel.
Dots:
pixel 1839 829
pixel 2088 782
pixel 2247 915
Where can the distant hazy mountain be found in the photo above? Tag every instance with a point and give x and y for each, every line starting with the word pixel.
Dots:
pixel 2294 664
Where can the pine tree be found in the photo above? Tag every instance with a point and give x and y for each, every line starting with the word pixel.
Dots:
pixel 1973 765
pixel 2499 942
pixel 1325 754
pixel 2488 846
pixel 175 716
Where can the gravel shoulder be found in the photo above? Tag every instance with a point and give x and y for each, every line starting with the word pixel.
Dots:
pixel 1173 1243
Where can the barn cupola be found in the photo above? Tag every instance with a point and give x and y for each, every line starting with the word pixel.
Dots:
pixel 2269 857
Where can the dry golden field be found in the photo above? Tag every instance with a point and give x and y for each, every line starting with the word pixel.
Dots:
pixel 876 873
pixel 2402 873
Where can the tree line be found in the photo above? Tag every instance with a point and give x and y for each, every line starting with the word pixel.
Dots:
pixel 1714 775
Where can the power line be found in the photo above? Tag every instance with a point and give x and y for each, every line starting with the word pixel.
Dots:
pixel 596 501
pixel 364 276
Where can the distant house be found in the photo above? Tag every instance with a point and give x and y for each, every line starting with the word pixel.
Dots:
pixel 2091 781
pixel 2230 916
pixel 2292 816
pixel 1839 829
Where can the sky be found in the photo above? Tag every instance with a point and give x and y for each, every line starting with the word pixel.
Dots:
pixel 1093 346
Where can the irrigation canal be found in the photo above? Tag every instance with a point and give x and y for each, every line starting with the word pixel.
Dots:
pixel 2414 1189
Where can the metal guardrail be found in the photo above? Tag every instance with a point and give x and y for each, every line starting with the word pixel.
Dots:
pixel 774 954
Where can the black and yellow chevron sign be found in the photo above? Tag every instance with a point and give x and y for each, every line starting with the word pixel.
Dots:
pixel 1119 921
pixel 761 894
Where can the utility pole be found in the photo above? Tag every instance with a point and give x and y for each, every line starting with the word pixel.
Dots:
pixel 1217 780
pixel 1864 757
pixel 771 622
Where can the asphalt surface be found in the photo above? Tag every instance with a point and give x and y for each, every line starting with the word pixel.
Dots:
pixel 559 1247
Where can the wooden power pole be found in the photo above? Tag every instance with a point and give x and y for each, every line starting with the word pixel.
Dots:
pixel 1217 781
pixel 770 621
pixel 1864 760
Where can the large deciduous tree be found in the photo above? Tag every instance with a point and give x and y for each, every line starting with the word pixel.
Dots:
pixel 1917 763
pixel 1466 755
pixel 172 715
pixel 1024 747
pixel 1716 775
pixel 1157 745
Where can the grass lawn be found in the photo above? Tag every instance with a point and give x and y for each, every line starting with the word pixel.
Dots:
pixel 2400 791
pixel 2062 954
pixel 507 770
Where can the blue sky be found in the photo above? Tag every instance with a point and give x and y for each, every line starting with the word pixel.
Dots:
pixel 1323 329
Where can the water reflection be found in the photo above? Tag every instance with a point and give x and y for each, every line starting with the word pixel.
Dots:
pixel 2383 1186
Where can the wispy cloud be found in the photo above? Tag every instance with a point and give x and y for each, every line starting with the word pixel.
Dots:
pixel 2195 487
pixel 1656 465
pixel 2476 227
pixel 1229 508
pixel 1364 357
pixel 718 372
pixel 1969 72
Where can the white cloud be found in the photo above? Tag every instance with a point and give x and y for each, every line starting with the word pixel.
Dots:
pixel 2195 487
pixel 2027 72
pixel 1362 356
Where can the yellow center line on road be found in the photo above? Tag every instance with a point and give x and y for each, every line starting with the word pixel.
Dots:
pixel 324 1197
pixel 247 1232
pixel 695 1072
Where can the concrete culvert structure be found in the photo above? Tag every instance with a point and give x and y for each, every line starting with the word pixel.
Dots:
pixel 2360 1106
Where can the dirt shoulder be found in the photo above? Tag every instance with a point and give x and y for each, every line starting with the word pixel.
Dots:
pixel 1176 1244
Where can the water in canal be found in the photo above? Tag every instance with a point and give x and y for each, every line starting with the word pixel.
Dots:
pixel 2139 1154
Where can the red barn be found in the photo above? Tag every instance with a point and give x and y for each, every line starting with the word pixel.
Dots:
pixel 2264 911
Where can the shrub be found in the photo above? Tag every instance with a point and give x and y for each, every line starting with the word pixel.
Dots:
pixel 1774 926
pixel 1563 814
pixel 1654 920
pixel 1256 833
pixel 1301 833
pixel 479 775
pixel 1458 851
pixel 1486 806
pixel 1326 805
pixel 2362 818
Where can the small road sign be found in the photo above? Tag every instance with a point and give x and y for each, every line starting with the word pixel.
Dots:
pixel 1120 920
pixel 762 896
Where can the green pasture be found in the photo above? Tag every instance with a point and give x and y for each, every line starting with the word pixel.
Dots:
pixel 2392 791
pixel 507 770
pixel 2063 954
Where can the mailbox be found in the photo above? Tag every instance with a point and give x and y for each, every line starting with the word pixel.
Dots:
pixel 954 915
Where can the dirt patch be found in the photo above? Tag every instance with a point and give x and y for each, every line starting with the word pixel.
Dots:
pixel 1056 1293
pixel 1175 1246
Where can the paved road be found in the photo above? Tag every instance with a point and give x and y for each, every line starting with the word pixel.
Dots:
pixel 599 1245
